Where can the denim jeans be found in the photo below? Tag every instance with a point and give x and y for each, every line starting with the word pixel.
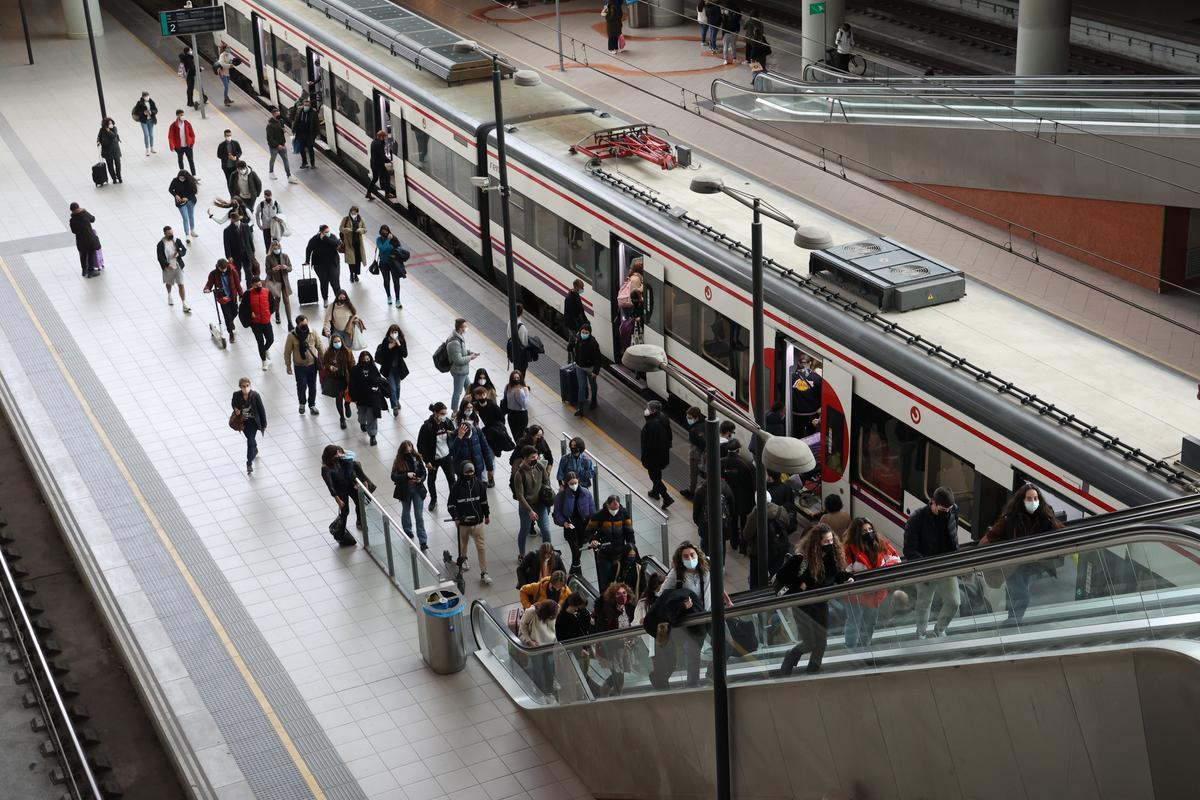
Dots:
pixel 187 212
pixel 225 84
pixel 148 134
pixel 306 384
pixel 860 624
pixel 587 385
pixel 543 522
pixel 394 383
pixel 250 429
pixel 413 499
pixel 713 31
pixel 367 418
pixel 1017 584
pixel 460 384
pixel 280 153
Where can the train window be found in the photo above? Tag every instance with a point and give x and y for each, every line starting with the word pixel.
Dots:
pixel 439 168
pixel 418 148
pixel 545 230
pixel 581 251
pixel 943 468
pixel 463 171
pixel 289 61
pixel 238 27
pixel 833 441
pixel 886 453
pixel 681 315
pixel 990 504
pixel 741 364
pixel 353 105
pixel 516 214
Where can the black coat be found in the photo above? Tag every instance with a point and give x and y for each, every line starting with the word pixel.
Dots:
pixel 239 245
pixel 669 608
pixel 656 442
pixel 146 112
pixel 110 142
pixel 529 570
pixel 587 354
pixel 427 437
pixel 225 150
pixel 86 239
pixel 378 155
pixel 571 626
pixel 189 63
pixel 573 312
pixel 322 252
pixel 468 501
pixel 180 252
pixel 929 534
pixel 368 388
pixel 392 358
pixel 254 403
pixel 740 477
pixel 401 480
pixel 305 127
pixel 183 188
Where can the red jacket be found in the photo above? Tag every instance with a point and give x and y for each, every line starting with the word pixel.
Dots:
pixel 260 306
pixel 173 135
pixel 235 284
pixel 858 562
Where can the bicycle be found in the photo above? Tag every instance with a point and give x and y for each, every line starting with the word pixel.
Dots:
pixel 854 63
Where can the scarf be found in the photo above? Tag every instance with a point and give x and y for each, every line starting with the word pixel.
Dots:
pixel 302 340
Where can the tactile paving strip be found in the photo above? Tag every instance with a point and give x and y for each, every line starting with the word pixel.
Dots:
pixel 268 769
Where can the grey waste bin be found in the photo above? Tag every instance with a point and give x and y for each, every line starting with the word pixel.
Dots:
pixel 441 631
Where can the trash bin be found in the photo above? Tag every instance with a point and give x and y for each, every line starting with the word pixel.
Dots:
pixel 441 631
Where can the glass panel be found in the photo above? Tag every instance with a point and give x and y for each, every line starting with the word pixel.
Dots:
pixel 463 171
pixel 353 105
pixel 545 228
pixel 289 61
pixel 653 294
pixel 886 448
pixel 946 469
pixel 418 148
pixel 238 27
pixel 716 334
pixel 383 538
pixel 680 315
pixel 439 168
pixel 581 252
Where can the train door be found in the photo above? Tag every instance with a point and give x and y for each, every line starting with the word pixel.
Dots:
pixel 637 322
pixel 816 396
pixel 388 123
pixel 261 53
pixel 317 92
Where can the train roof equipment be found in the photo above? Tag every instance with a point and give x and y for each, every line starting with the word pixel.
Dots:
pixel 628 141
pixel 889 274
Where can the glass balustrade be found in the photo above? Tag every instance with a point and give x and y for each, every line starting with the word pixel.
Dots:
pixel 397 555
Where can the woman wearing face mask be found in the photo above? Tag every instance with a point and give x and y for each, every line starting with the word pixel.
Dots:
pixel 535 437
pixel 536 629
pixel 610 534
pixel 574 620
pixel 183 189
pixel 579 462
pixel 354 232
pixel 573 509
pixel 279 268
pixel 342 317
pixel 390 357
pixel 492 419
pixel 408 474
pixel 484 381
pixel 615 612
pixel 336 365
pixel 109 142
pixel 390 255
pixel 688 574
pixel 368 391
pixel 516 404
pixel 145 113
pixel 1025 514
pixel 338 471
pixel 539 564
pixel 865 550
pixel 628 570
pixel 433 443
pixel 248 408
pixel 820 562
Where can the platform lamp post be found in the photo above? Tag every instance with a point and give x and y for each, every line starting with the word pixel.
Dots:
pixel 808 237
pixel 520 78
pixel 782 453
pixel 87 16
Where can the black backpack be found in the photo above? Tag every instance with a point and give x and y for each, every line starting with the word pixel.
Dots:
pixel 441 357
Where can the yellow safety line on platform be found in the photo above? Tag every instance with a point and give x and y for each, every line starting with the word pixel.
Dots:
pixel 197 592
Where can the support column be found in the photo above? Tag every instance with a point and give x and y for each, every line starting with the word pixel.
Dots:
pixel 820 27
pixel 1043 37
pixel 76 24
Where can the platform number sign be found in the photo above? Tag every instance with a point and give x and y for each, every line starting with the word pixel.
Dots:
pixel 185 21
pixel 816 8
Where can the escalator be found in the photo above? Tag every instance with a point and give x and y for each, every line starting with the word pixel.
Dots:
pixel 1094 691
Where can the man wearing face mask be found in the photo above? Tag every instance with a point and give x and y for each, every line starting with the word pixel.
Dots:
pixel 302 356
pixel 587 367
pixel 695 433
pixel 468 507
pixel 226 284
pixel 806 398
pixel 277 145
pixel 238 239
pixel 460 359
pixel 244 184
pixel 531 490
pixel 656 450
pixel 305 130
pixel 229 153
pixel 573 313
pixel 577 461
pixel 264 217
pixel 322 254
pixel 931 531
pixel 170 259
pixel 611 533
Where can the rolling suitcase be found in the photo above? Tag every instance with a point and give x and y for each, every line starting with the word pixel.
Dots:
pixel 99 174
pixel 306 290
pixel 568 389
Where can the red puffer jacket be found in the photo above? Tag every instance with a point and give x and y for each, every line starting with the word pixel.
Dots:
pixel 260 306
pixel 859 561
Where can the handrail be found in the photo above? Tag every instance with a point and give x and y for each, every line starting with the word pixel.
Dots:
pixel 35 658
pixel 415 556
pixel 1047 545
pixel 566 436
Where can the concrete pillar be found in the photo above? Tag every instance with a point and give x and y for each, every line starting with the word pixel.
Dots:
pixel 819 29
pixel 76 23
pixel 1043 37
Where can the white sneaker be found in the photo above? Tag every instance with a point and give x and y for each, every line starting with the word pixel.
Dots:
pixel 187 309
pixel 170 300
pixel 485 579
pixel 147 151
pixel 266 365
pixel 152 150
pixel 293 179
pixel 272 174
pixel 195 234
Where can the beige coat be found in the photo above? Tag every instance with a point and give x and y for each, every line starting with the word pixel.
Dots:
pixel 352 236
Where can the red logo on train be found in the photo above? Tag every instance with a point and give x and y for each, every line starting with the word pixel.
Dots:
pixel 708 293
pixel 915 415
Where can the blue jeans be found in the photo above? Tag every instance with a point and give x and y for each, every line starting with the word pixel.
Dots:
pixel 411 500
pixel 225 83
pixel 543 522
pixel 460 384
pixel 394 382
pixel 713 31
pixel 251 431
pixel 306 384
pixel 587 385
pixel 1018 591
pixel 187 212
pixel 860 624
pixel 148 134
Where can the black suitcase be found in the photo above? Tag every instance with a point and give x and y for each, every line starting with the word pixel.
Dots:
pixel 306 291
pixel 568 389
pixel 99 174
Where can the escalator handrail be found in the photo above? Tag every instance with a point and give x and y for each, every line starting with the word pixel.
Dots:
pixel 1064 541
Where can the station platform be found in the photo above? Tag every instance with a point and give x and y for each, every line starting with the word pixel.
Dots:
pixel 276 664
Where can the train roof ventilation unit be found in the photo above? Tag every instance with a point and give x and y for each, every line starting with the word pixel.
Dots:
pixel 890 275
pixel 423 44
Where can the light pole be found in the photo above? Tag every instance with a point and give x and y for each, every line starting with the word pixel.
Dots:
pixel 809 238
pixel 782 453
pixel 87 16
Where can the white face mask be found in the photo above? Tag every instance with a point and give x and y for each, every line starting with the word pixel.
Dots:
pixel 442 417
pixel 614 511
pixel 1032 505
pixel 647 413
pixel 481 382
pixel 691 563
pixel 395 336
pixel 574 485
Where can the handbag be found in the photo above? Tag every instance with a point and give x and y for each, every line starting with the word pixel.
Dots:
pixel 296 145
pixel 237 421
pixel 374 267
pixel 546 496
pixel 181 70
pixel 621 40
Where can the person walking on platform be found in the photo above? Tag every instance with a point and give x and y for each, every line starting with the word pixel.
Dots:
pixel 757 48
pixel 302 355
pixel 702 21
pixel 338 471
pixel 229 153
pixel 336 365
pixel 265 217
pixel 467 504
pixel 305 129
pixel 579 462
pixel 187 66
pixel 391 255
pixel 249 409
pixel 181 139
pixel 261 302
pixel 368 390
pixel 86 240
pixel 695 434
pixel 170 259
pixel 712 16
pixel 610 534
pixel 469 444
pixel 341 317
pixel 322 253
pixel 390 355
pixel 408 476
pixel 109 142
pixel 354 231
pixel 844 44
pixel 731 24
pixel 587 368
pixel 574 315
pixel 225 284
pixel 516 404
pixel 614 18
pixel 278 269
pixel 145 113
pixel 573 510
pixel 820 562
pixel 277 144
pixel 656 450
pixel 244 185
pixel 223 67
pixel 238 239
pixel 460 359
pixel 379 172
pixel 433 443
pixel 931 531
pixel 183 190
pixel 531 490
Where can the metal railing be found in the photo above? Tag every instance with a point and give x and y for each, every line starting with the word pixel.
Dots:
pixel 400 557
pixel 68 749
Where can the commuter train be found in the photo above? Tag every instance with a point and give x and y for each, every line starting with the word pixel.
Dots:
pixel 891 416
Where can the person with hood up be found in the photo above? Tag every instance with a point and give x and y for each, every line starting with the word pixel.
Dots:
pixel 368 391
